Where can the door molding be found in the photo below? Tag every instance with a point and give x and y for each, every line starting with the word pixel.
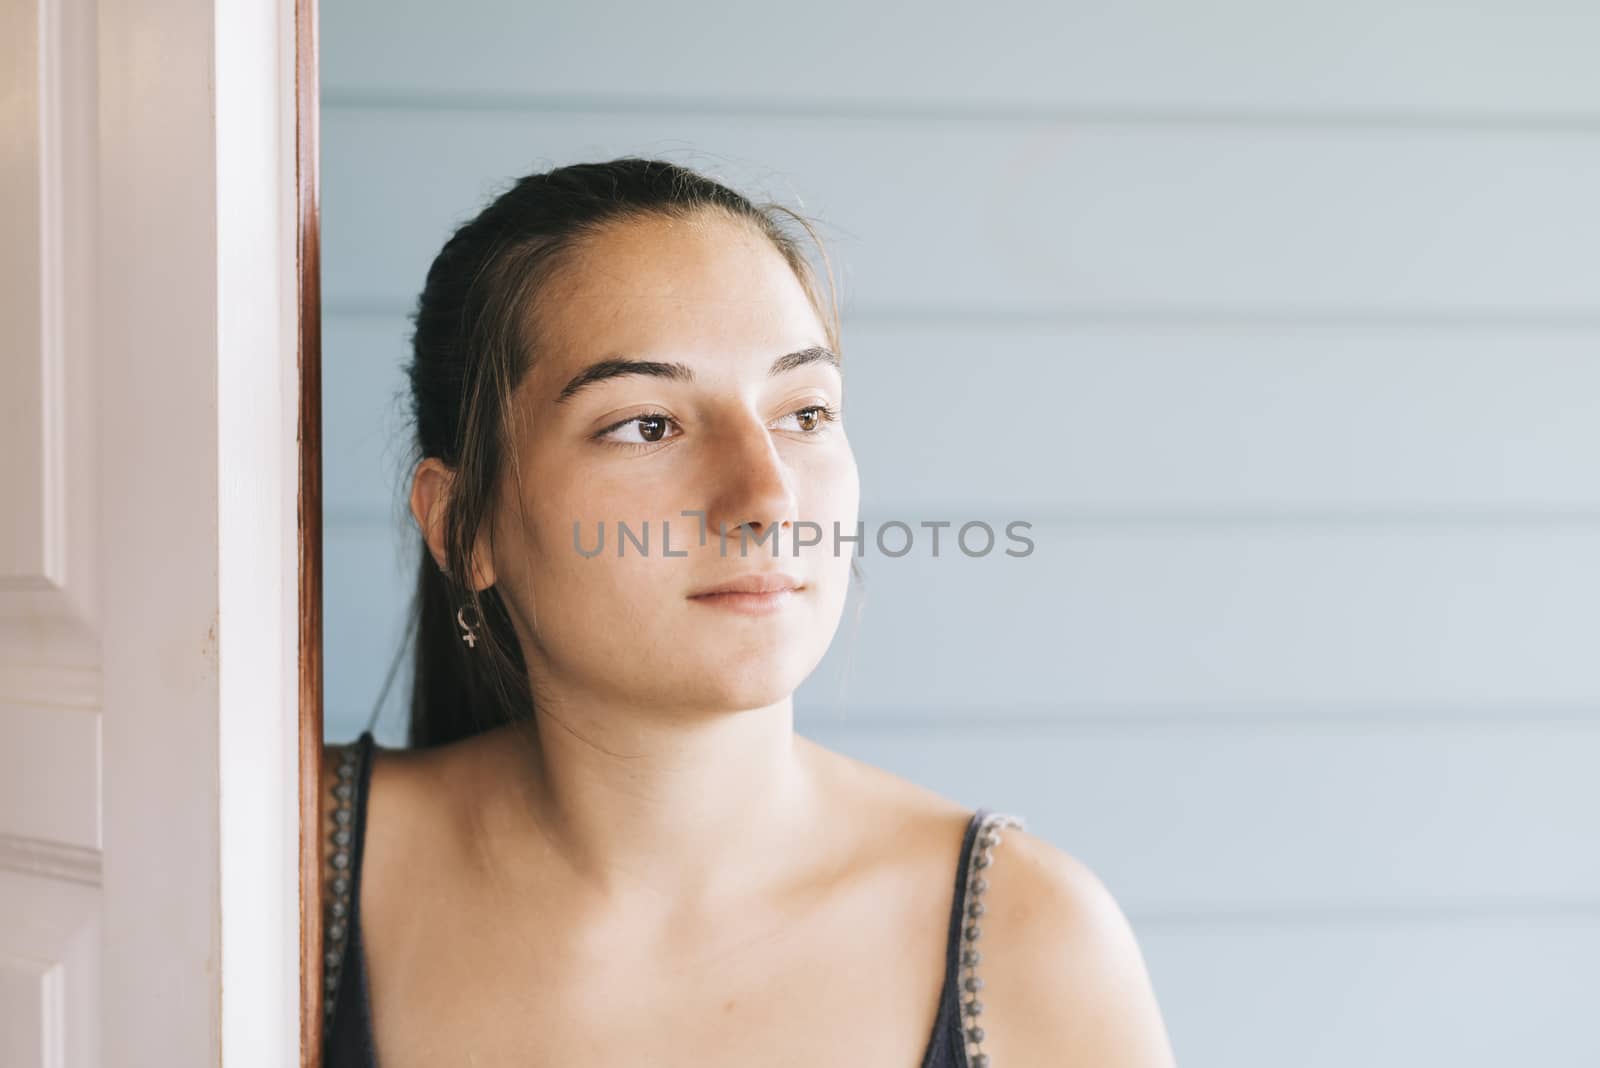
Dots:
pixel 309 267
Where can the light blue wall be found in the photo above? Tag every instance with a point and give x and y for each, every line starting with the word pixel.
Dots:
pixel 1281 323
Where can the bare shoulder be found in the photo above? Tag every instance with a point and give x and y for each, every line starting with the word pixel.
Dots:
pixel 892 816
pixel 870 790
pixel 397 778
pixel 405 812
pixel 1063 979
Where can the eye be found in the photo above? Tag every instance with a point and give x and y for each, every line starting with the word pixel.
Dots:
pixel 647 429
pixel 813 418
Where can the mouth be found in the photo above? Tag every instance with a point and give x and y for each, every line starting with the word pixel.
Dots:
pixel 756 594
pixel 753 604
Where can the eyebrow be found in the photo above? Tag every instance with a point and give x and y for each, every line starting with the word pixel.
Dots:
pixel 616 367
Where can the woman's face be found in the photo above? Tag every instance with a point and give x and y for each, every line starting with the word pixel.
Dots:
pixel 718 431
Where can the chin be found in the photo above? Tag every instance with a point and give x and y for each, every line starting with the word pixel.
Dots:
pixel 739 681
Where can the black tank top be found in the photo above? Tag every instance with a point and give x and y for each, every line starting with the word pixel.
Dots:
pixel 347 1018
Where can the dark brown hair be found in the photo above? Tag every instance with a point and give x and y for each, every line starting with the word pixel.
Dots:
pixel 472 343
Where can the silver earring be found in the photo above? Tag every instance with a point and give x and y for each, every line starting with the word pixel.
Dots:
pixel 468 633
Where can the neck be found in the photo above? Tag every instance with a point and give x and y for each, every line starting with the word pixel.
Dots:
pixel 656 811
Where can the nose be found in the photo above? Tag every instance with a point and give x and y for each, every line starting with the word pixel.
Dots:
pixel 753 486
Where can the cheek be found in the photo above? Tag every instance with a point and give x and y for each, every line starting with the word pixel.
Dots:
pixel 831 488
pixel 573 536
pixel 596 612
pixel 541 547
pixel 830 498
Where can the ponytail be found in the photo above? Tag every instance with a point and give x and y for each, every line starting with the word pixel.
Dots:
pixel 458 689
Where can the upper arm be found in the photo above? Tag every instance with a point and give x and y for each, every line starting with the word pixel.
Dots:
pixel 1064 981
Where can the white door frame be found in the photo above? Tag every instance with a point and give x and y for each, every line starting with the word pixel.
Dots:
pixel 151 673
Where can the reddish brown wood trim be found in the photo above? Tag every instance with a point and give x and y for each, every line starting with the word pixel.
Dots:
pixel 309 261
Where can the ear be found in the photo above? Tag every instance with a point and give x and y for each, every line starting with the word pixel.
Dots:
pixel 430 500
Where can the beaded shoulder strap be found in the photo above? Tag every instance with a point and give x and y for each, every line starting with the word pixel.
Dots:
pixel 978 862
pixel 340 857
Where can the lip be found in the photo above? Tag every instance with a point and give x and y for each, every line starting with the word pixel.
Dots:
pixel 752 595
pixel 756 582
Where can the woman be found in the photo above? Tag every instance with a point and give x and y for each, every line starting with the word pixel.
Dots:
pixel 606 844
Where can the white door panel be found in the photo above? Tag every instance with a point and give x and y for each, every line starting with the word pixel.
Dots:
pixel 148 606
